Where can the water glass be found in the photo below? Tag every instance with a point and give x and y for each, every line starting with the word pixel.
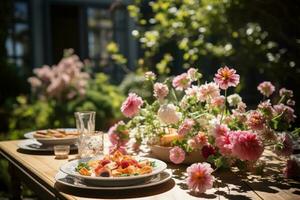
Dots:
pixel 85 124
pixel 92 145
pixel 61 151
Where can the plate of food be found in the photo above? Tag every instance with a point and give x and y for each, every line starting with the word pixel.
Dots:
pixel 33 145
pixel 70 181
pixel 114 170
pixel 54 136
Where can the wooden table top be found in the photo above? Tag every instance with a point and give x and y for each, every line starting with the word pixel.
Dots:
pixel 232 185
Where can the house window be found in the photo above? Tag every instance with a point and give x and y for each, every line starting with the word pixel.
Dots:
pixel 100 33
pixel 17 42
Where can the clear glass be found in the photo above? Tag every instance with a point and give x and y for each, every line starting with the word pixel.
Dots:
pixel 85 124
pixel 61 151
pixel 92 145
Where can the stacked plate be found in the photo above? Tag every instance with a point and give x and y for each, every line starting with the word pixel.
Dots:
pixel 47 144
pixel 70 177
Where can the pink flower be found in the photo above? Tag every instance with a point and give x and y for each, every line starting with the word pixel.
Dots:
pixel 118 134
pixel 208 91
pixel 192 91
pixel 200 178
pixel 286 112
pixel 226 77
pixel 186 126
pixel 292 169
pixel 285 147
pixel 285 92
pixel 160 90
pixel 181 82
pixel 246 145
pixel 256 120
pixel 192 143
pixel 192 73
pixel 177 155
pixel 113 137
pixel 220 130
pixel 266 108
pixel 266 88
pixel 131 105
pixel 208 150
pixel 224 144
pixel 218 101
pixel 201 139
pixel 150 76
pixel 34 82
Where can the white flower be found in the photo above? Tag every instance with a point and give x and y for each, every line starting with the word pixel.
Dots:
pixel 234 99
pixel 167 114
pixel 204 119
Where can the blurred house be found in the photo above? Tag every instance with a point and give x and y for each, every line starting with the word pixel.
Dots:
pixel 39 31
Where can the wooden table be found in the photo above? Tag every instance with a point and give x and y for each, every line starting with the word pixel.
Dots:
pixel 38 171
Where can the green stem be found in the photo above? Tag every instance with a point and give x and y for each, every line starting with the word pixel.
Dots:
pixel 174 95
pixel 281 99
pixel 225 109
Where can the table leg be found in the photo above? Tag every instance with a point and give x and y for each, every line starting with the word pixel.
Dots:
pixel 15 182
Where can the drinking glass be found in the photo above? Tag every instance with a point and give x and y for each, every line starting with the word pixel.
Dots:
pixel 92 145
pixel 85 124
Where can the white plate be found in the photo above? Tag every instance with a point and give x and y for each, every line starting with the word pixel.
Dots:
pixel 53 141
pixel 65 179
pixel 33 145
pixel 69 168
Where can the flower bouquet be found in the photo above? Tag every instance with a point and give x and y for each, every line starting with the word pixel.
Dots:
pixel 196 121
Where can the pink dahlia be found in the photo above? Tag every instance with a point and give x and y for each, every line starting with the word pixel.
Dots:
pixel 226 77
pixel 220 130
pixel 266 88
pixel 208 150
pixel 131 105
pixel 201 139
pixel 256 120
pixel 177 155
pixel 160 90
pixel 186 126
pixel 181 81
pixel 200 178
pixel 246 145
pixel 224 144
pixel 218 101
pixel 192 91
pixel 208 91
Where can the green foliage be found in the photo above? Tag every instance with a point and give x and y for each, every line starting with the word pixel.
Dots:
pixel 135 83
pixel 35 114
pixel 258 38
